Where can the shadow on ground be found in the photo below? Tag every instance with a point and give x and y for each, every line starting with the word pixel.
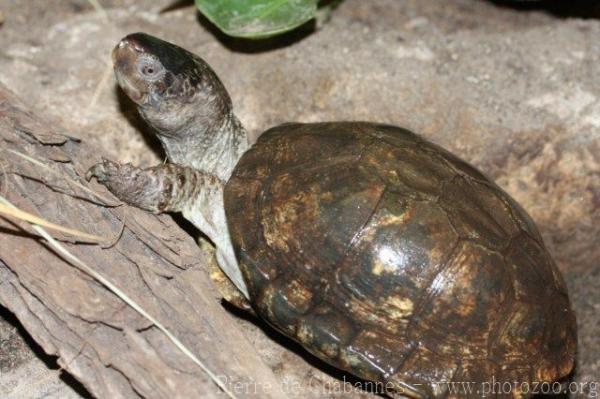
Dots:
pixel 18 347
pixel 585 9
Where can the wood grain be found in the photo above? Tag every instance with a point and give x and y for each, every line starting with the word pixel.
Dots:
pixel 98 338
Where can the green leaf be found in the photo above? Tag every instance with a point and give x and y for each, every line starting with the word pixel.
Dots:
pixel 257 18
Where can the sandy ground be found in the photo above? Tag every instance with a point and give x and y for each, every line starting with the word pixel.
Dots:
pixel 514 91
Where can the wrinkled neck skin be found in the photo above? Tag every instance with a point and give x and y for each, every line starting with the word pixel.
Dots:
pixel 213 149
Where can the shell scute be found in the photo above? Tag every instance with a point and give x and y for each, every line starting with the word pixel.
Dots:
pixel 326 331
pixel 478 213
pixel 377 354
pixel 395 257
pixel 407 169
pixel 458 307
pixel 296 205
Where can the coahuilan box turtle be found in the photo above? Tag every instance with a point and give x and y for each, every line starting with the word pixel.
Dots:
pixel 381 253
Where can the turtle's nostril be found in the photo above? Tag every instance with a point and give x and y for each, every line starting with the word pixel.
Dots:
pixel 126 51
pixel 133 43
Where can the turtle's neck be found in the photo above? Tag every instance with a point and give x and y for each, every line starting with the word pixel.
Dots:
pixel 212 149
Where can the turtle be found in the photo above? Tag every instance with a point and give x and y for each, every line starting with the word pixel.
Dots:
pixel 379 252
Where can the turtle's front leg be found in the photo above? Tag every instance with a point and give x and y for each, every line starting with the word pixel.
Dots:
pixel 161 188
pixel 175 188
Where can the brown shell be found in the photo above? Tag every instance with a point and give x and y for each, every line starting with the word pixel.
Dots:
pixel 386 256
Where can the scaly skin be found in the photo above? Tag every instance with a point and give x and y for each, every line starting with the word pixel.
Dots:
pixel 181 97
pixel 161 188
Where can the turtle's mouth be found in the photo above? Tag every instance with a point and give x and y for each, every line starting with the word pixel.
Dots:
pixel 124 57
pixel 132 91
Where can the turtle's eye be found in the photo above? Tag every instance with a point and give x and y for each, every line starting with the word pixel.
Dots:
pixel 150 69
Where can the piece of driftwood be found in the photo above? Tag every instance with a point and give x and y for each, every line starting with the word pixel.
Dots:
pixel 98 338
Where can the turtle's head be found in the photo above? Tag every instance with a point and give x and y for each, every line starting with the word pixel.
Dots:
pixel 172 87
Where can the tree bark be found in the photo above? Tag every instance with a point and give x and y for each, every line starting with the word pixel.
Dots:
pixel 98 338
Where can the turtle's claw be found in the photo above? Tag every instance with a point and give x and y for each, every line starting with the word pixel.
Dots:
pixel 102 170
